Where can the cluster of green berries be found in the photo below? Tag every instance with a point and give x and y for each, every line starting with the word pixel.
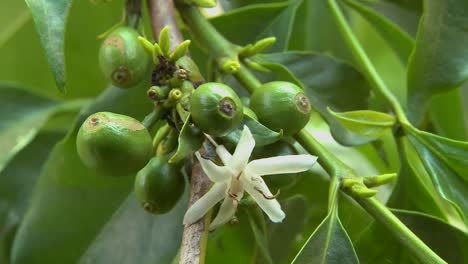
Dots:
pixel 118 145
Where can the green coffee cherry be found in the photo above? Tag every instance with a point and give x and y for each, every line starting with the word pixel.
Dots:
pixel 281 105
pixel 159 185
pixel 279 148
pixel 123 59
pixel 114 144
pixel 216 109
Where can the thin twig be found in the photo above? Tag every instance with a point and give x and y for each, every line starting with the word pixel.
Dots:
pixel 194 238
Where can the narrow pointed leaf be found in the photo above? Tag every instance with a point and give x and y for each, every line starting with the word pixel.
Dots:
pixel 328 244
pixel 50 17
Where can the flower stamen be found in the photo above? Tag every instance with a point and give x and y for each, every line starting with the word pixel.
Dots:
pixel 268 197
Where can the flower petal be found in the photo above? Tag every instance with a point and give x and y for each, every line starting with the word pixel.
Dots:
pixel 259 191
pixel 214 172
pixel 243 151
pixel 281 164
pixel 226 212
pixel 223 154
pixel 202 205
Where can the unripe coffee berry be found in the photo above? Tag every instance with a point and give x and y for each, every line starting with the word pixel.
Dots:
pixel 159 185
pixel 114 144
pixel 122 58
pixel 281 105
pixel 216 109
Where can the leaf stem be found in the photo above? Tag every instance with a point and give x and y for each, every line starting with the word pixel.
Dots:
pixel 335 167
pixel 364 62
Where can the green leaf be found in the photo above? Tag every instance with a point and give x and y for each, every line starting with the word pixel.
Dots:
pixel 412 191
pixel 22 49
pixel 446 162
pixel 365 122
pixel 328 244
pixel 190 140
pixel 71 203
pixel 439 61
pixel 315 30
pixel 257 224
pixel 399 41
pixel 376 244
pixel 22 115
pixel 133 235
pixel 328 82
pixel 413 5
pixel 281 237
pixel 447 115
pixel 50 18
pixel 258 21
pixel 262 135
pixel 18 177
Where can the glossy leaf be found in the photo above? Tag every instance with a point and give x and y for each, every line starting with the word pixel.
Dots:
pixel 328 82
pixel 439 61
pixel 190 140
pixel 400 41
pixel 258 21
pixel 22 115
pixel 376 244
pixel 71 203
pixel 50 17
pixel 328 244
pixel 262 135
pixel 365 122
pixel 446 162
pixel 412 191
pixel 133 235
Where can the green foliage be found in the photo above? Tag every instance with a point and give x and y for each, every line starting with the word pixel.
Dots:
pixel 392 102
pixel 446 240
pixel 328 244
pixel 50 18
pixel 438 62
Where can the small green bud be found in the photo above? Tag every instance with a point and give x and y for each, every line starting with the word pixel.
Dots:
pixel 146 44
pixel 180 51
pixel 204 3
pixel 259 47
pixel 231 66
pixel 374 181
pixel 157 93
pixel 256 66
pixel 164 41
pixel 363 191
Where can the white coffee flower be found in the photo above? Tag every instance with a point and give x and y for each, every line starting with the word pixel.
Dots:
pixel 239 175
